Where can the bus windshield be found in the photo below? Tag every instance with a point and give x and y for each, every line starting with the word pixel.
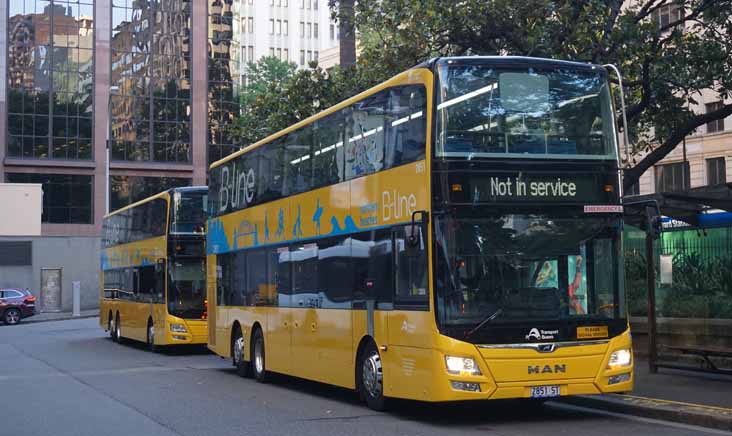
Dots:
pixel 526 267
pixel 187 288
pixel 189 212
pixel 537 111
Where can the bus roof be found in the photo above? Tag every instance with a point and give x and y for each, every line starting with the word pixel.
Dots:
pixel 512 60
pixel 315 117
pixel 158 195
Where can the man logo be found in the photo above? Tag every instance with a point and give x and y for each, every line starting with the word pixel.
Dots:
pixel 547 369
pixel 533 335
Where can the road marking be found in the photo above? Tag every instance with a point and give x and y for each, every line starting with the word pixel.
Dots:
pixel 638 418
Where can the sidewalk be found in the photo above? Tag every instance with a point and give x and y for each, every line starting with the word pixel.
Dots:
pixel 59 316
pixel 693 398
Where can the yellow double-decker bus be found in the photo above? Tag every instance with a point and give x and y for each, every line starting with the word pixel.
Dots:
pixel 153 270
pixel 450 234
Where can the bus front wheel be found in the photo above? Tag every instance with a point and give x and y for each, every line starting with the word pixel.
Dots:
pixel 258 358
pixel 117 330
pixel 371 378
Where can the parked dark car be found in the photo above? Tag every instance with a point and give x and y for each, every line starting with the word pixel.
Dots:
pixel 16 304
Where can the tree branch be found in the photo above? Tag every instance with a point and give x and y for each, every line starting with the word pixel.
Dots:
pixel 632 175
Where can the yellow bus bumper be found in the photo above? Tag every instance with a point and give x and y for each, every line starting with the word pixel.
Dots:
pixel 196 331
pixel 511 373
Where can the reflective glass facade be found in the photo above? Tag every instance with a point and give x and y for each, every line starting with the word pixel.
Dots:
pixel 66 198
pixel 151 66
pixel 223 68
pixel 129 189
pixel 50 78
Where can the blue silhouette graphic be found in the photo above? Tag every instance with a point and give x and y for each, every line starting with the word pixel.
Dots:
pixel 280 224
pixel 317 215
pixel 217 241
pixel 266 227
pixel 297 228
pixel 349 226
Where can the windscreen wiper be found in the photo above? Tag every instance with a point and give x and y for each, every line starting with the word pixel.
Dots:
pixel 488 319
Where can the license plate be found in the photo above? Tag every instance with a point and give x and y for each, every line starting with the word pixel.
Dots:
pixel 545 391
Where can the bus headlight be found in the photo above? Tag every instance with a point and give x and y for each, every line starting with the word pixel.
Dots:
pixel 619 359
pixel 461 365
pixel 178 328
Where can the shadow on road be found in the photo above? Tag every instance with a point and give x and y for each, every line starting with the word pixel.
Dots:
pixel 474 414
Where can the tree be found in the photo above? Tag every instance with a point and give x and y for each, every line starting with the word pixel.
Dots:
pixel 668 50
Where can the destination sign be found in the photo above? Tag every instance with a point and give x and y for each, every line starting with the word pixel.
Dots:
pixel 526 187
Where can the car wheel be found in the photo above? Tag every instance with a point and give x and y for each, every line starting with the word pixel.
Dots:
pixel 371 378
pixel 243 368
pixel 151 337
pixel 12 316
pixel 259 367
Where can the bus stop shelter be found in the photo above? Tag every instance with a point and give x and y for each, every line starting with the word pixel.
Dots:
pixel 699 342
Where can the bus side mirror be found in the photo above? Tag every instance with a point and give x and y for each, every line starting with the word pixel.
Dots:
pixel 413 230
pixel 653 222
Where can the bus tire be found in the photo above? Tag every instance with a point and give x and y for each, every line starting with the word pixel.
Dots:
pixel 259 368
pixel 371 378
pixel 243 368
pixel 117 334
pixel 151 337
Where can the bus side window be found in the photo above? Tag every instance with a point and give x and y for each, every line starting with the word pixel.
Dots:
pixel 371 254
pixel 283 278
pixel 406 125
pixel 411 272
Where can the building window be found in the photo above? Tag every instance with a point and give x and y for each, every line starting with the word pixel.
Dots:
pixel 271 52
pixel 151 67
pixel 716 125
pixel 310 30
pixel 223 77
pixel 302 57
pixel 286 55
pixel 250 49
pixel 302 29
pixel 315 55
pixel 285 3
pixel 67 199
pixel 315 4
pixel 310 56
pixel 126 190
pixel 50 66
pixel 286 29
pixel 279 27
pixel 279 53
pixel 672 177
pixel 666 15
pixel 315 30
pixel 716 171
pixel 302 4
pixel 271 27
pixel 250 21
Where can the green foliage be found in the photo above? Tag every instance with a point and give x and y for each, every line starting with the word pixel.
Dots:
pixel 665 68
pixel 281 96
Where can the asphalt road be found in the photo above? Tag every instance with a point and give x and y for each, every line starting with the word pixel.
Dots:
pixel 67 378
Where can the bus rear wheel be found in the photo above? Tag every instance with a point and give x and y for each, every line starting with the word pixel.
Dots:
pixel 117 330
pixel 243 368
pixel 258 358
pixel 371 378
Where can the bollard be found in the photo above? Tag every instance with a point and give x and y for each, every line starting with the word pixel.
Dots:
pixel 76 295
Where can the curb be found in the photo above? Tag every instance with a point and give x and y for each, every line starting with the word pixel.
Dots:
pixel 719 418
pixel 31 319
